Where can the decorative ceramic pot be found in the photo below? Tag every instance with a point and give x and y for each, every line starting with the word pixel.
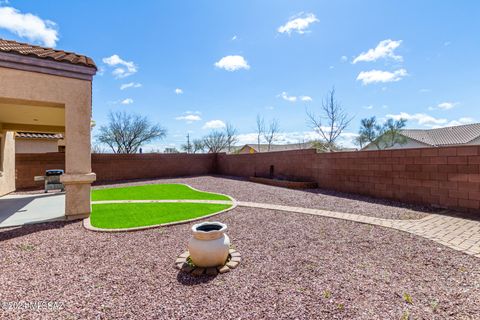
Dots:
pixel 209 244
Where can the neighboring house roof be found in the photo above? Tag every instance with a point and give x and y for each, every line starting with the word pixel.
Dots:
pixel 280 147
pixel 38 135
pixel 445 136
pixel 25 49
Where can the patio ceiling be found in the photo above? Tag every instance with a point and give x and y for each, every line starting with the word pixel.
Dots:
pixel 32 117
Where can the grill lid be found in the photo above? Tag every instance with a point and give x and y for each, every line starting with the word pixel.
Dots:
pixel 54 172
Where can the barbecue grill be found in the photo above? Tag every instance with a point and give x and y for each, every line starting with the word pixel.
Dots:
pixel 52 180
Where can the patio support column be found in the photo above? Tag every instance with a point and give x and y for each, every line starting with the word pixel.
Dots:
pixel 78 176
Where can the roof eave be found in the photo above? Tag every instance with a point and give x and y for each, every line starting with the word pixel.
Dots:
pixel 47 66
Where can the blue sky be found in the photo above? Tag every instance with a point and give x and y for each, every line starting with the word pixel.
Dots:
pixel 415 59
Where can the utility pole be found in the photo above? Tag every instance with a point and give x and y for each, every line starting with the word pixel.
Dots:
pixel 189 147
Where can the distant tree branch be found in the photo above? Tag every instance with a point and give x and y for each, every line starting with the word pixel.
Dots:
pixel 231 135
pixel 270 135
pixel 260 129
pixel 331 122
pixel 381 136
pixel 215 142
pixel 125 133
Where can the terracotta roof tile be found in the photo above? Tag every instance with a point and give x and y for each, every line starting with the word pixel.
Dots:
pixel 10 46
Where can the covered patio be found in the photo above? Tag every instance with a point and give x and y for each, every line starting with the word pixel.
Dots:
pixel 46 90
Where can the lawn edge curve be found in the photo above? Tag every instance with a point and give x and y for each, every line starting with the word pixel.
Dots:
pixel 87 224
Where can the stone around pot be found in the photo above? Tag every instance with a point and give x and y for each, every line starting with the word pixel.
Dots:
pixel 209 244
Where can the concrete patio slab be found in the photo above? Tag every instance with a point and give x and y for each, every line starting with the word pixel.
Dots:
pixel 17 210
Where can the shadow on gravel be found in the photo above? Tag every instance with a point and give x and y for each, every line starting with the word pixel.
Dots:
pixel 188 280
pixel 461 215
pixel 381 201
pixel 15 232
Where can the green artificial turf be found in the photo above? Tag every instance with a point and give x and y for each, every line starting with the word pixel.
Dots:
pixel 129 215
pixel 154 192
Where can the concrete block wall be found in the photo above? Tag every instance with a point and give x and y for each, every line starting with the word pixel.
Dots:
pixel 447 177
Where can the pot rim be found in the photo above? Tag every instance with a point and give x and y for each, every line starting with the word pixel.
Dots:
pixel 217 223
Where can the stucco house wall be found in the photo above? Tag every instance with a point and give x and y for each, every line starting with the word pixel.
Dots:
pixel 52 92
pixel 246 150
pixel 35 145
pixel 7 162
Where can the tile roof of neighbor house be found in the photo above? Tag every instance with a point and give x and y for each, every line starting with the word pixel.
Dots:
pixel 25 49
pixel 445 136
pixel 38 135
pixel 281 147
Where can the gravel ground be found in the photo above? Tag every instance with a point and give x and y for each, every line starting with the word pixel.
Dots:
pixel 243 190
pixel 294 266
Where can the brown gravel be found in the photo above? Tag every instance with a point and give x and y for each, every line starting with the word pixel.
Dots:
pixel 293 266
pixel 243 190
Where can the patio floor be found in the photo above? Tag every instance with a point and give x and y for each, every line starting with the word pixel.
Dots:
pixel 21 209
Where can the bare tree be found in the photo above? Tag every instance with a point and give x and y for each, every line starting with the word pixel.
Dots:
pixel 260 129
pixel 125 133
pixel 215 141
pixel 231 133
pixel 186 148
pixel 97 148
pixel 198 146
pixel 270 135
pixel 332 122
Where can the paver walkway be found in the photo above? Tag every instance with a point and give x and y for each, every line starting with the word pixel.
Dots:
pixel 452 231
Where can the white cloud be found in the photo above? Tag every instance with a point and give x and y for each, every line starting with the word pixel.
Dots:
pixel 420 118
pixel 370 107
pixel 306 98
pixel 344 58
pixel 286 97
pixel 374 76
pixel 269 107
pixel 232 63
pixel 214 124
pixel 298 23
pixel 189 117
pixel 127 101
pixel 444 106
pixel 100 71
pixel 384 49
pixel 345 139
pixel 130 85
pixel 463 120
pixel 30 26
pixel 122 68
pixel 429 121
pixel 178 91
pixel 234 38
pixel 424 90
